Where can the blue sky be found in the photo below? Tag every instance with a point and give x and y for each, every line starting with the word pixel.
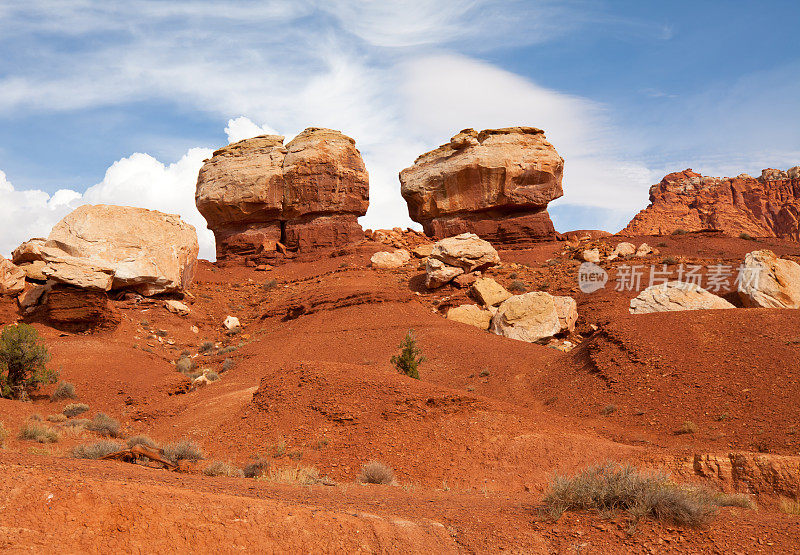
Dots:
pixel 119 102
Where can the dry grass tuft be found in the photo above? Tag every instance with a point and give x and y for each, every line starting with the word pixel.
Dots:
pixel 790 506
pixel 3 435
pixel 219 468
pixel 297 475
pixel 64 390
pixel 104 425
pixel 35 431
pixel 257 468
pixel 141 440
pixel 611 488
pixel 375 472
pixel 687 427
pixel 56 418
pixel 95 450
pixel 74 409
pixel 183 451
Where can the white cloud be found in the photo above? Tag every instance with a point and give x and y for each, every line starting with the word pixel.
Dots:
pixel 242 128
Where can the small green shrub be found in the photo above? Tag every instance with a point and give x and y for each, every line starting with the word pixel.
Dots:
pixel 257 468
pixel 219 468
pixel 36 417
pixel 95 450
pixel 104 425
pixel 56 418
pixel 375 472
pixel 74 409
pixel 23 357
pixel 410 358
pixel 141 440
pixel 64 390
pixel 35 431
pixel 183 451
pixel 226 350
pixel 610 488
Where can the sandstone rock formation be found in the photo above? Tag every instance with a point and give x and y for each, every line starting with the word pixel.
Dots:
pixel 457 255
pixel 528 317
pixel 567 310
pixel 75 309
pixel 260 196
pixel 676 295
pixel 765 207
pixel 390 260
pixel 12 278
pixel 471 314
pixel 489 292
pixel 115 247
pixel 767 281
pixel 496 183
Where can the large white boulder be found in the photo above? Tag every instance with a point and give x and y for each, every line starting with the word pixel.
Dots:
pixel 466 251
pixel 489 292
pixel 471 314
pixel 674 296
pixel 390 260
pixel 528 317
pixel 769 282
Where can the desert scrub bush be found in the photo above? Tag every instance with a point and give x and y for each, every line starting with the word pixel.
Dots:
pixel 687 427
pixel 36 431
pixel 183 451
pixel 219 468
pixel 375 472
pixel 517 286
pixel 269 285
pixel 104 425
pixel 74 409
pixel 226 350
pixel 299 475
pixel 410 358
pixel 206 347
pixel 746 236
pixel 256 468
pixel 23 357
pixel 669 261
pixel 77 423
pixel 611 488
pixel 184 364
pixel 95 450
pixel 141 440
pixel 56 418
pixel 211 376
pixel 680 231
pixel 3 435
pixel 227 364
pixel 790 506
pixel 608 409
pixel 64 390
pixel 36 417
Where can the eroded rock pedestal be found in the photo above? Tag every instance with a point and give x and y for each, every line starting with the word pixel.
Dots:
pixel 765 207
pixel 495 183
pixel 262 199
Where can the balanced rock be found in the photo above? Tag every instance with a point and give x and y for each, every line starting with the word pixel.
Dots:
pixel 768 281
pixel 495 183
pixel 471 314
pixel 765 207
pixel 12 278
pixel 675 296
pixel 115 247
pixel 390 260
pixel 528 317
pixel 259 195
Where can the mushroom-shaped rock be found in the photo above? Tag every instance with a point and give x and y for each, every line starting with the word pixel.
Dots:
pixel 116 247
pixel 674 296
pixel 258 193
pixel 768 281
pixel 496 183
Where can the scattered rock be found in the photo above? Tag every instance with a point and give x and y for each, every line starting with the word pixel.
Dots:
pixel 489 292
pixel 528 317
pixel 390 260
pixel 643 250
pixel 424 250
pixel 567 310
pixel 437 273
pixel 623 249
pixel 29 299
pixel 676 295
pixel 116 247
pixel 495 183
pixel 231 323
pixel 763 207
pixel 308 194
pixel 466 251
pixel 177 307
pixel 465 280
pixel 200 381
pixel 591 255
pixel 471 314
pixel 769 282
pixel 12 278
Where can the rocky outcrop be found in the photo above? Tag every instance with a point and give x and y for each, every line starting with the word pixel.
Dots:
pixel 74 309
pixel 496 184
pixel 768 206
pixel 261 197
pixel 12 278
pixel 766 281
pixel 676 295
pixel 754 473
pixel 102 247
